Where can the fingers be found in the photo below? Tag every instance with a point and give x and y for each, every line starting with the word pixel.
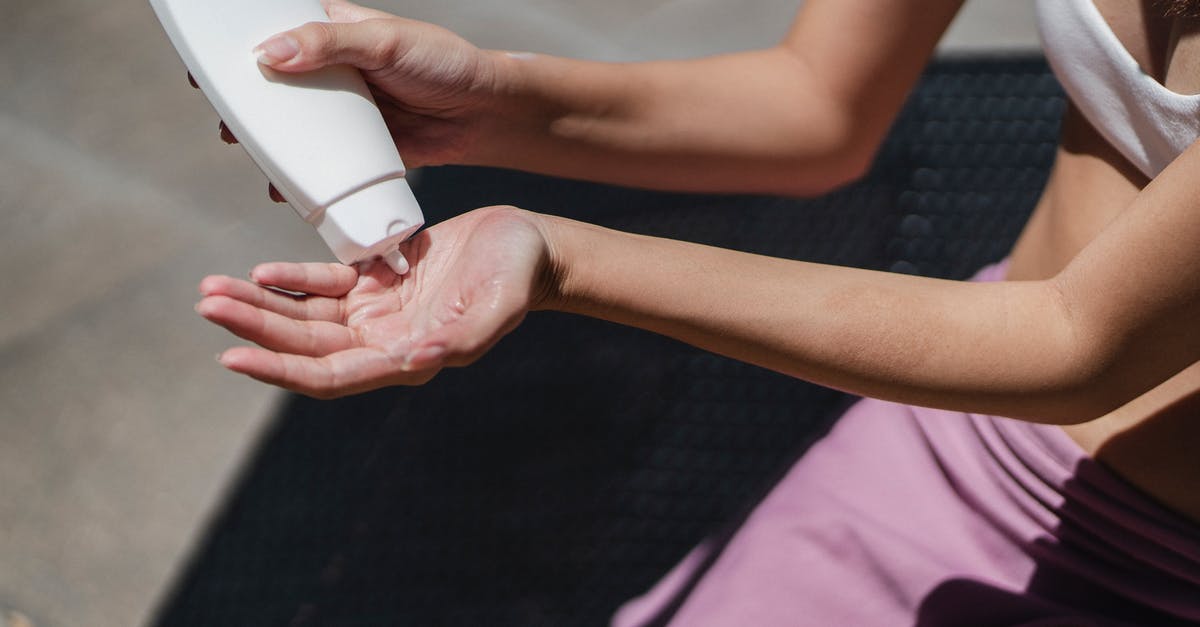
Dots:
pixel 321 279
pixel 370 44
pixel 295 362
pixel 226 134
pixel 346 372
pixel 297 308
pixel 305 375
pixel 228 137
pixel 274 331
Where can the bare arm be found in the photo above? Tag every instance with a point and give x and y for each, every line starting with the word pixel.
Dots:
pixel 1121 318
pixel 999 348
pixel 797 118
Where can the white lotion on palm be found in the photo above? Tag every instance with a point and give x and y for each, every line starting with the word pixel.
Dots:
pixel 318 136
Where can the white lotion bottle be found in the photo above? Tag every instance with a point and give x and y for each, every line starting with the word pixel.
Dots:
pixel 318 136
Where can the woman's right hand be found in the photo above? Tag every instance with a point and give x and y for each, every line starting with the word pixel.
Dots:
pixel 431 85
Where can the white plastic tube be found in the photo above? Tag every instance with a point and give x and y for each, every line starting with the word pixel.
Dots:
pixel 318 136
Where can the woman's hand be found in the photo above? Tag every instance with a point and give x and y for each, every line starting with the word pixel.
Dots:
pixel 473 278
pixel 431 85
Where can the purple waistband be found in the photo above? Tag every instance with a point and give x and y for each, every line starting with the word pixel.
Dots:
pixel 1096 517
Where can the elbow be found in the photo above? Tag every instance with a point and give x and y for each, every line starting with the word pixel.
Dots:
pixel 1089 403
pixel 853 154
pixel 840 164
pixel 852 166
pixel 841 154
pixel 823 139
pixel 1112 381
pixel 1069 399
pixel 1094 377
pixel 1078 370
pixel 1079 402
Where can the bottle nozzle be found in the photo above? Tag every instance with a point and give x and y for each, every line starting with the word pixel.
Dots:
pixel 396 261
pixel 372 223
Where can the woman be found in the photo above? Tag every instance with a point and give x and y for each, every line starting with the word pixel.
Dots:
pixel 947 515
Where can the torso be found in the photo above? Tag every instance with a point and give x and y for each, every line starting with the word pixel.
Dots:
pixel 1150 441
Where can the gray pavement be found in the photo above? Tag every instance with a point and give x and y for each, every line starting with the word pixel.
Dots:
pixel 119 432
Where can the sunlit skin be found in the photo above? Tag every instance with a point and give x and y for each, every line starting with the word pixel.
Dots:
pixel 363 328
pixel 1095 329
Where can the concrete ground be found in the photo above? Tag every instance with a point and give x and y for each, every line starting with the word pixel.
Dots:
pixel 118 432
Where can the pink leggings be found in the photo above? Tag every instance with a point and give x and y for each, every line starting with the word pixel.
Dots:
pixel 911 516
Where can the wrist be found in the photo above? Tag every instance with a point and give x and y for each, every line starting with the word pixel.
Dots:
pixel 554 291
pixel 503 109
pixel 581 262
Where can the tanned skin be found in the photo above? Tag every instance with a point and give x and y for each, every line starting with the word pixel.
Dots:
pixel 1095 329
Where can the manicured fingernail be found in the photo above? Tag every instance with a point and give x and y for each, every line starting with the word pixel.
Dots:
pixel 425 355
pixel 276 50
pixel 201 309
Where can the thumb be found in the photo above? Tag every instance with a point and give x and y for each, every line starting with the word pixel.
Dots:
pixel 368 45
pixel 345 11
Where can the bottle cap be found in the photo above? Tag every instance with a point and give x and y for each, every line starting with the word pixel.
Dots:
pixel 371 222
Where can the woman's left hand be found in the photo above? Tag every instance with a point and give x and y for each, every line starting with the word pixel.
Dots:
pixel 354 329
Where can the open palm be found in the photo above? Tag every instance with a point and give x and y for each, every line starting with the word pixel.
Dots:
pixel 354 329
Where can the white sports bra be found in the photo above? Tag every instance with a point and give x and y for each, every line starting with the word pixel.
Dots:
pixel 1148 123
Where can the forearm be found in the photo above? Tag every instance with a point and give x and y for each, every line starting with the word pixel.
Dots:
pixel 999 348
pixel 750 122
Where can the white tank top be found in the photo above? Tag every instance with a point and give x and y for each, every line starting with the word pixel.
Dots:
pixel 1148 123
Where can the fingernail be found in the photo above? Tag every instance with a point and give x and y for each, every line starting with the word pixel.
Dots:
pixel 428 354
pixel 276 50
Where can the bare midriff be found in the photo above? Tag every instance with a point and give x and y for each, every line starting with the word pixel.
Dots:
pixel 1151 441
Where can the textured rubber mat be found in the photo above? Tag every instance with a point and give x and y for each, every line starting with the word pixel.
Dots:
pixel 577 462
